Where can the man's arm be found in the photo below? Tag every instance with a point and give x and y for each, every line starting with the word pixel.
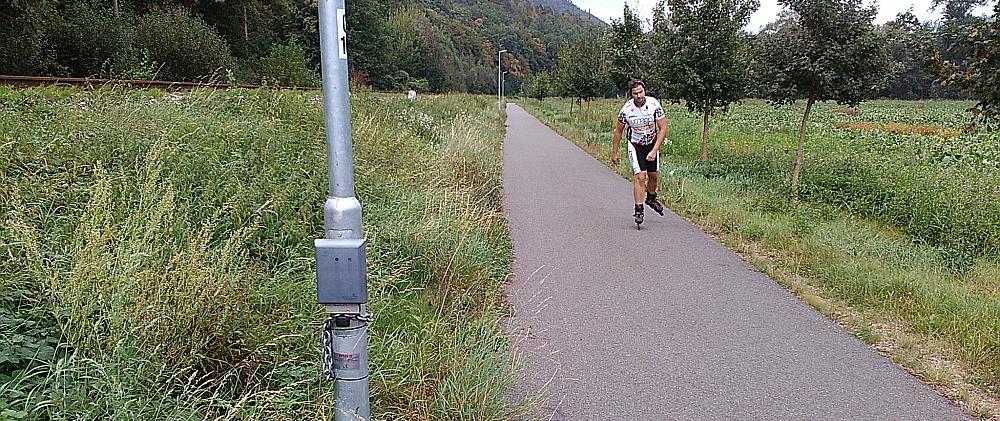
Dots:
pixel 661 134
pixel 616 140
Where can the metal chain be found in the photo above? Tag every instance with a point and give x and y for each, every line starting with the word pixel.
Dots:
pixel 328 328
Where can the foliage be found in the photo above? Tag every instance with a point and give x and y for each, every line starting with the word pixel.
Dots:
pixel 701 54
pixel 582 72
pixel 909 75
pixel 977 73
pixel 628 54
pixel 161 251
pixel 286 65
pixel 75 39
pixel 446 45
pixel 90 41
pixel 186 46
pixel 823 50
pixel 539 86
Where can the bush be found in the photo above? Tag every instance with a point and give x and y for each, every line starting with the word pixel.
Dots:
pixel 286 65
pixel 186 46
pixel 25 45
pixel 90 42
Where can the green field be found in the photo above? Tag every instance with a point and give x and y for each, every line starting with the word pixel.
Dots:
pixel 158 261
pixel 898 222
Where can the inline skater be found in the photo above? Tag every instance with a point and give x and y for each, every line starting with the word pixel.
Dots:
pixel 646 125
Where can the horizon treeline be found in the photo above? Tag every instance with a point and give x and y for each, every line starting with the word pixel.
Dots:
pixel 430 45
pixel 948 58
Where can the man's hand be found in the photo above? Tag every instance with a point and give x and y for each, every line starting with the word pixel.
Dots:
pixel 614 157
pixel 651 155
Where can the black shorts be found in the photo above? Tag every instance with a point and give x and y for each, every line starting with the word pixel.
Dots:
pixel 637 157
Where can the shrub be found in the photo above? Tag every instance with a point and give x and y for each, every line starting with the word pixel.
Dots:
pixel 89 41
pixel 25 45
pixel 286 65
pixel 185 45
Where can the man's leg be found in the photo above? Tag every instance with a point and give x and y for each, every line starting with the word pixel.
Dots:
pixel 651 194
pixel 650 190
pixel 639 187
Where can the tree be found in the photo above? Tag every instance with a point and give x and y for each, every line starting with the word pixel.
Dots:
pixel 822 50
pixel 627 50
pixel 978 72
pixel 910 77
pixel 538 85
pixel 582 71
pixel 703 58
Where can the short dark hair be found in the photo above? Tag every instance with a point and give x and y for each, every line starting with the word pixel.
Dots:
pixel 635 82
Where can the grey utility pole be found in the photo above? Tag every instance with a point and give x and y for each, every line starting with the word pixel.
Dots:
pixel 499 77
pixel 341 279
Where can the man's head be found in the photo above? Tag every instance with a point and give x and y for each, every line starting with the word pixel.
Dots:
pixel 638 91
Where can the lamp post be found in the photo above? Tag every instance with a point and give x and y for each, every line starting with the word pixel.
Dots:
pixel 341 274
pixel 503 85
pixel 499 77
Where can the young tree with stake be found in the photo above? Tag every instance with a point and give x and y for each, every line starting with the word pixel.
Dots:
pixel 700 53
pixel 821 50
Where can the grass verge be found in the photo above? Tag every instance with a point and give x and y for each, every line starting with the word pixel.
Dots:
pixel 158 259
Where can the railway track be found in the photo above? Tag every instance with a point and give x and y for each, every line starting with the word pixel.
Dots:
pixel 87 83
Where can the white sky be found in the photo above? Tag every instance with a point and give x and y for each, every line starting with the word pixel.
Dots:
pixel 888 9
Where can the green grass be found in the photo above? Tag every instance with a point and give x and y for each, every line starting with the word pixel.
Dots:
pixel 158 262
pixel 903 227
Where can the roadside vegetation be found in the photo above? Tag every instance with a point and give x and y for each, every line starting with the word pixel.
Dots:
pixel 158 262
pixel 896 233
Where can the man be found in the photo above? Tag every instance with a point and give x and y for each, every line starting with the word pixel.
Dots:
pixel 647 129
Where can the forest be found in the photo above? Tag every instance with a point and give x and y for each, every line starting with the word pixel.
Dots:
pixel 431 45
pixel 554 49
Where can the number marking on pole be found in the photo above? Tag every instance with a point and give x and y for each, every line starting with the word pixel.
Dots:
pixel 342 33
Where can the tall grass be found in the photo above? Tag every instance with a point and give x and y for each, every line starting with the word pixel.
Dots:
pixel 903 227
pixel 159 264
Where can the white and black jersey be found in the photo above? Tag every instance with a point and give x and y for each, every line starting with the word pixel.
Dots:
pixel 640 122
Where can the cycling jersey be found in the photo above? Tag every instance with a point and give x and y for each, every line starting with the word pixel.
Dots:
pixel 640 122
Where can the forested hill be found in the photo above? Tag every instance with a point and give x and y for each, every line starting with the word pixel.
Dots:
pixel 566 6
pixel 435 45
pixel 458 41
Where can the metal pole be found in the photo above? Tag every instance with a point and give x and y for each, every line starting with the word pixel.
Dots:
pixel 345 332
pixel 503 86
pixel 499 76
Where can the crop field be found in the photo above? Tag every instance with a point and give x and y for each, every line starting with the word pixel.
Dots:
pixel 896 233
pixel 157 258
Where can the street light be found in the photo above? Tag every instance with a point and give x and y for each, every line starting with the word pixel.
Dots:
pixel 503 84
pixel 499 77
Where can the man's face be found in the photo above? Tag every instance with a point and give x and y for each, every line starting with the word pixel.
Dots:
pixel 639 95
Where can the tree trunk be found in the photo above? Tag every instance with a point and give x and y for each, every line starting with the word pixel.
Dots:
pixel 114 4
pixel 802 141
pixel 704 136
pixel 246 26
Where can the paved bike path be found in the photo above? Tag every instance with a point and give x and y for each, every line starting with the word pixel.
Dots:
pixel 613 323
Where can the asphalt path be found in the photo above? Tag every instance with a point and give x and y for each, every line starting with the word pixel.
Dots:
pixel 613 323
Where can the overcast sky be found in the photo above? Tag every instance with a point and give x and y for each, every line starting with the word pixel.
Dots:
pixel 888 9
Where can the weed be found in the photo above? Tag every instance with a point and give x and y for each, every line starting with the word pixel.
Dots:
pixel 160 247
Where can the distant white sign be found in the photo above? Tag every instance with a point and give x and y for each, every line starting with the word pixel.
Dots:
pixel 412 95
